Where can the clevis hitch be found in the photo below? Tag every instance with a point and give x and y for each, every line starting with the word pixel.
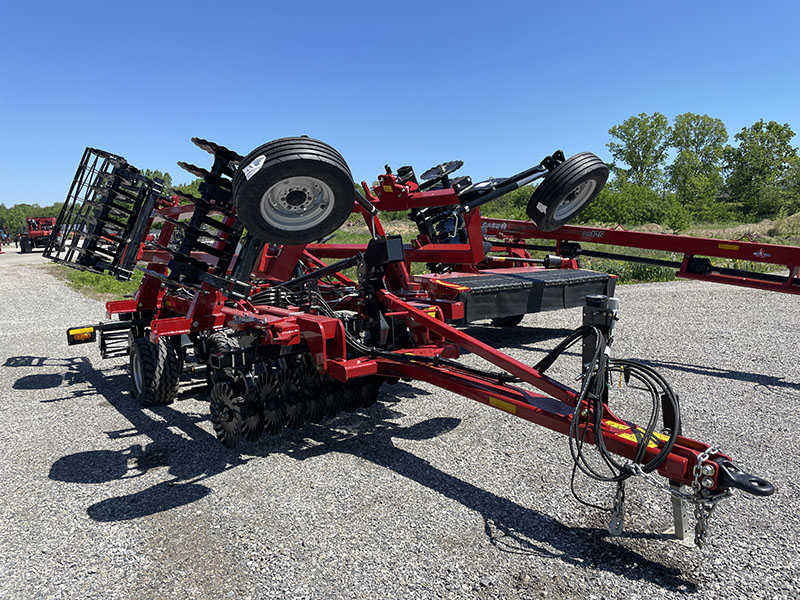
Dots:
pixel 731 476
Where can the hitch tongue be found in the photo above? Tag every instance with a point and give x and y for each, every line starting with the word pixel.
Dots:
pixel 731 476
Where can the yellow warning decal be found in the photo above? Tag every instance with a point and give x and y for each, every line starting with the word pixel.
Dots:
pixel 728 246
pixel 450 285
pixel 80 330
pixel 388 188
pixel 636 435
pixel 503 405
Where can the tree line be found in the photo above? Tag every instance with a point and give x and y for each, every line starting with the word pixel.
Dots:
pixel 668 173
pixel 13 218
pixel 686 171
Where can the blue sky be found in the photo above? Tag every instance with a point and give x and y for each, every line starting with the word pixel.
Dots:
pixel 498 85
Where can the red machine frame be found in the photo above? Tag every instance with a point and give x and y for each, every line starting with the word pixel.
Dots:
pixel 423 309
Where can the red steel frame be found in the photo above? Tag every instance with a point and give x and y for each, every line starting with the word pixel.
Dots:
pixel 785 256
pixel 425 313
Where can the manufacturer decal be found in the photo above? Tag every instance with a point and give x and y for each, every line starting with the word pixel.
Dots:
pixel 761 253
pixel 254 167
pixel 594 233
pixel 494 227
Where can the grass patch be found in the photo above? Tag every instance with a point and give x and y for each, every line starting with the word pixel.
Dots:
pixel 102 287
pixel 628 272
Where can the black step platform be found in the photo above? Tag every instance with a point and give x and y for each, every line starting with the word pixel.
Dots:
pixel 495 294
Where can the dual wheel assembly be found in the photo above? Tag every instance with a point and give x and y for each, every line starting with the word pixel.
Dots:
pixel 298 190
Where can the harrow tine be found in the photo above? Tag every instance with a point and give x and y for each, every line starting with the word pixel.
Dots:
pixel 217 149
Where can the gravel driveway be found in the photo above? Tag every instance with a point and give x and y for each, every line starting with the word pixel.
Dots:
pixel 424 495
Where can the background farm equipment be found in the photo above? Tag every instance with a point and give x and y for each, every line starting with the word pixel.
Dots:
pixel 282 338
pixel 37 235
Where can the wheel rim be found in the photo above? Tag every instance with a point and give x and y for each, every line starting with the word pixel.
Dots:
pixel 297 203
pixel 575 199
pixel 137 372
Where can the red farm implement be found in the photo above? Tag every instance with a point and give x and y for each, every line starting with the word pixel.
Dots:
pixel 37 234
pixel 283 338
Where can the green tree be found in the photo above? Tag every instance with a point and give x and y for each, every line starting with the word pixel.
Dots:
pixel 757 167
pixel 626 203
pixel 696 173
pixel 190 188
pixel 642 143
pixel 790 187
pixel 165 177
pixel 14 217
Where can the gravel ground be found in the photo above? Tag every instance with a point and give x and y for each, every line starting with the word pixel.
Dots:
pixel 425 495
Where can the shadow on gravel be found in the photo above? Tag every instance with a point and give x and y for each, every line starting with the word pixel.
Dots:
pixel 72 372
pixel 518 337
pixel 191 455
pixel 768 381
pixel 509 526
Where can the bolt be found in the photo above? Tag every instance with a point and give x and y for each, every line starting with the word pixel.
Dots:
pixel 195 324
pixel 707 482
pixel 707 470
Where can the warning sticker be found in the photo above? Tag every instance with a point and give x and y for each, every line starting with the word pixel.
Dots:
pixel 254 167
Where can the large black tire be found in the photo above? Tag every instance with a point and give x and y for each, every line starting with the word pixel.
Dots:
pixel 25 245
pixel 155 371
pixel 293 191
pixel 567 190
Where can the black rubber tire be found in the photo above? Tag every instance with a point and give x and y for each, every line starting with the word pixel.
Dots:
pixel 159 372
pixel 511 321
pixel 552 204
pixel 219 341
pixel 280 160
pixel 25 245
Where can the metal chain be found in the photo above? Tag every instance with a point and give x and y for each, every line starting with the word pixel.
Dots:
pixel 698 470
pixel 637 470
pixel 703 505
pixel 702 512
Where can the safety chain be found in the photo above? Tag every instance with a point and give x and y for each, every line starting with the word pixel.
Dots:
pixel 702 512
pixel 703 505
pixel 703 509
pixel 701 472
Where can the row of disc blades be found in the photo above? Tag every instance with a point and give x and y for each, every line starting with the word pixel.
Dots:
pixel 280 395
